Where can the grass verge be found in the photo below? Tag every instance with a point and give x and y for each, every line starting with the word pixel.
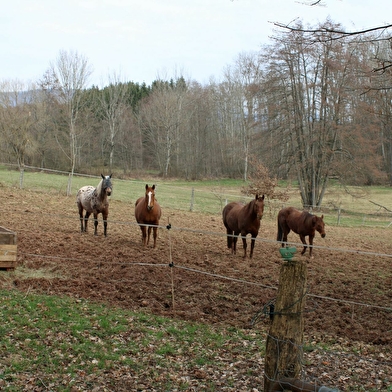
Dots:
pixel 345 206
pixel 64 344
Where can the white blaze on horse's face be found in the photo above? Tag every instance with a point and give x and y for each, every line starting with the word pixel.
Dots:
pixel 150 204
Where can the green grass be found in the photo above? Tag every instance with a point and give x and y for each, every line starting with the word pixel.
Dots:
pixel 359 206
pixel 55 341
pixel 52 343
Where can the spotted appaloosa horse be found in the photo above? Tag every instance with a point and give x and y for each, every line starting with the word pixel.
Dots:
pixel 147 214
pixel 302 223
pixel 95 201
pixel 240 219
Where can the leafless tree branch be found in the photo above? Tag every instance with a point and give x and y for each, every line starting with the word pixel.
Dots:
pixel 335 31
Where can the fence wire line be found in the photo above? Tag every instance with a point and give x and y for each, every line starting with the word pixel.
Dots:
pixel 302 354
pixel 330 352
pixel 67 173
pixel 212 233
pixel 222 276
pixel 237 280
pixel 319 349
pixel 223 196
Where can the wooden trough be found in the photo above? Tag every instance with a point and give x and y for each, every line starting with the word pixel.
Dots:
pixel 7 248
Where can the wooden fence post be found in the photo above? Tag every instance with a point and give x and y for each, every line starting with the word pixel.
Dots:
pixel 21 177
pixel 69 184
pixel 192 199
pixel 284 352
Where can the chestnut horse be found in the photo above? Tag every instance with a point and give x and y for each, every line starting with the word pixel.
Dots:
pixel 147 214
pixel 94 200
pixel 302 223
pixel 243 219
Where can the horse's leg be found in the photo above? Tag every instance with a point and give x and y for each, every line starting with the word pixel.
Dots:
pixel 86 216
pixel 81 218
pixel 252 246
pixel 279 236
pixel 144 234
pixel 229 238
pixel 95 223
pixel 149 234
pixel 311 244
pixel 155 231
pixel 244 244
pixel 105 223
pixel 303 239
pixel 286 232
pixel 234 244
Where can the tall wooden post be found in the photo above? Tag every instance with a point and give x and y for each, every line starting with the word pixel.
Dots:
pixel 284 352
pixel 192 200
pixel 21 177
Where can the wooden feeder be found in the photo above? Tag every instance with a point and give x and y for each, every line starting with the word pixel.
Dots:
pixel 287 253
pixel 7 248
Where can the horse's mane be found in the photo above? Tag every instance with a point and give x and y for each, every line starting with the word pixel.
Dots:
pixel 98 189
pixel 249 205
pixel 307 216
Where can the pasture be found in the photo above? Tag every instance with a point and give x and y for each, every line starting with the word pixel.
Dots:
pixel 191 275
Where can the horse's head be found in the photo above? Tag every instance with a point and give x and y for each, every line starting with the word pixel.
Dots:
pixel 318 224
pixel 258 206
pixel 150 197
pixel 107 184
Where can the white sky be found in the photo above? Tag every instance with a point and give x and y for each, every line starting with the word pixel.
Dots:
pixel 146 39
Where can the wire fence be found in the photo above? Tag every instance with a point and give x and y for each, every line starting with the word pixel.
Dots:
pixel 338 366
pixel 208 200
pixel 335 366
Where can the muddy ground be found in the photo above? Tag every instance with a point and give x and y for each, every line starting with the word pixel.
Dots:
pixel 348 272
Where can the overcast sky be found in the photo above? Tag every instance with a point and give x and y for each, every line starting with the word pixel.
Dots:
pixel 146 39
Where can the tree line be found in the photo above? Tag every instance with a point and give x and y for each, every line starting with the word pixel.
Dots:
pixel 307 109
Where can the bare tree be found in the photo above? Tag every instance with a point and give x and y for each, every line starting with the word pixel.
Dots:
pixel 113 106
pixel 69 74
pixel 17 119
pixel 378 89
pixel 248 73
pixel 309 90
pixel 237 104
pixel 330 32
pixel 162 120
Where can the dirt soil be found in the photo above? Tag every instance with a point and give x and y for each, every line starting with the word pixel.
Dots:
pixel 210 284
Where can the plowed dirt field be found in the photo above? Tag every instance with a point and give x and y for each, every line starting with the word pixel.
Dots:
pixel 348 272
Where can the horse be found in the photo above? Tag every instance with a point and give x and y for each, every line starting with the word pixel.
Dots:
pixel 243 219
pixel 302 223
pixel 147 214
pixel 94 200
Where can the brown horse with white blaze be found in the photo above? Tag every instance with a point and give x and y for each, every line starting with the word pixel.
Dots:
pixel 147 214
pixel 243 219
pixel 301 222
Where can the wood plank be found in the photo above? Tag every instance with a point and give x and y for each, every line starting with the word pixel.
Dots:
pixel 8 252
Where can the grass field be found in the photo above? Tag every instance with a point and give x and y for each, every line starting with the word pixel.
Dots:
pixel 52 343
pixel 352 206
pixel 62 344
